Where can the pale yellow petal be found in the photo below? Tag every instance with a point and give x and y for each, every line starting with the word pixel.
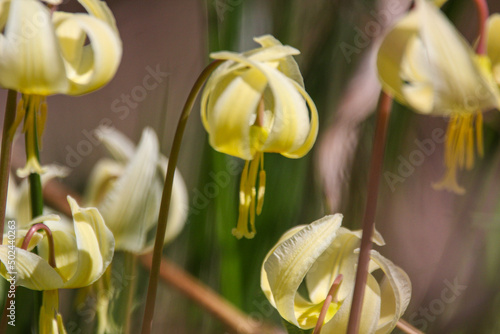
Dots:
pixel 493 44
pixel 396 293
pixel 118 145
pixel 91 66
pixel 132 203
pixel 231 114
pixel 287 266
pixel 466 89
pixel 391 55
pixel 33 272
pixel 95 244
pixel 418 89
pixel 338 258
pixel 100 10
pixel 101 181
pixel 29 53
pixel 264 282
pixel 369 314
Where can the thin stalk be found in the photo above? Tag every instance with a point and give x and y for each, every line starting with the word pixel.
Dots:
pixel 331 297
pixel 130 270
pixel 167 193
pixel 377 159
pixel 483 13
pixel 36 197
pixel 235 320
pixel 7 139
pixel 407 328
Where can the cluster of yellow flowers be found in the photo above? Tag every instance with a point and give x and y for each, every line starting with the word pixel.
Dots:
pixel 254 103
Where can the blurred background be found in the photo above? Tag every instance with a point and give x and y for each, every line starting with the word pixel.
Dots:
pixel 448 244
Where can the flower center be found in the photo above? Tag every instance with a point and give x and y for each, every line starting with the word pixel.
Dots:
pixel 459 149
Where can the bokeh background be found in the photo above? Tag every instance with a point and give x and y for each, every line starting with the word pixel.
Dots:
pixel 448 244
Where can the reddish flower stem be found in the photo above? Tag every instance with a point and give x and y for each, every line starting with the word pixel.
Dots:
pixel 332 296
pixel 377 159
pixel 167 194
pixel 483 13
pixel 32 231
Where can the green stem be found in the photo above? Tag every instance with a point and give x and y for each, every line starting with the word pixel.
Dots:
pixel 36 197
pixel 130 270
pixel 167 193
pixel 7 139
pixel 377 160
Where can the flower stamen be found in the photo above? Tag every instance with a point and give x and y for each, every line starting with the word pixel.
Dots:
pixel 251 200
pixel 459 149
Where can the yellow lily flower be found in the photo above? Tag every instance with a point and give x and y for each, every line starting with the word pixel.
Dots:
pixel 82 253
pixel 44 52
pixel 317 254
pixel 128 189
pixel 425 63
pixel 253 103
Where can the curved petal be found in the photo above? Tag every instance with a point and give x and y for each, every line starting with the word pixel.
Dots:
pixel 369 314
pixel 396 293
pixel 493 44
pixel 338 258
pixel 466 89
pixel 100 10
pixel 130 205
pixel 95 244
pixel 264 282
pixel 91 66
pixel 230 114
pixel 33 272
pixel 287 266
pixel 290 124
pixel 118 145
pixel 29 53
pixel 391 55
pixel 101 181
pixel 287 65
